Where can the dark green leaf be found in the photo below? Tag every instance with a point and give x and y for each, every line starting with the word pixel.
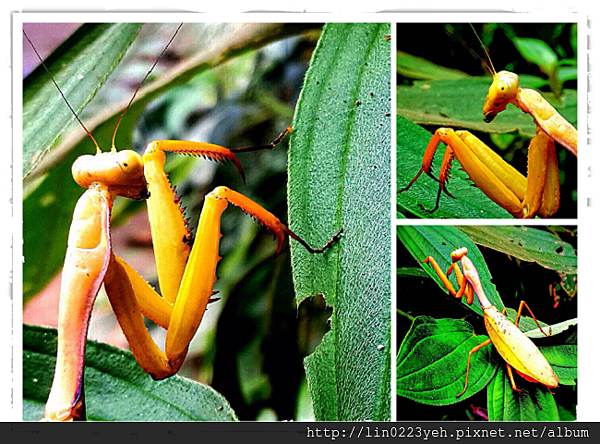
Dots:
pixel 534 403
pixel 417 68
pixel 431 366
pixel 117 389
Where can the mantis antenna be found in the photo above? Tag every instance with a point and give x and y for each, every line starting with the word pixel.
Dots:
pixel 491 65
pixel 60 91
pixel 142 82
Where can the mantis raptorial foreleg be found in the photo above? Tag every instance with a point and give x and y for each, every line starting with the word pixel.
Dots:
pixel 539 194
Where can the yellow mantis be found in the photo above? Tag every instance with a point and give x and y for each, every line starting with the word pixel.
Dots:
pixel 517 350
pixel 186 267
pixel 523 197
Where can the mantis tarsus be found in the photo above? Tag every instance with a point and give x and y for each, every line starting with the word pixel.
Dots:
pixel 519 352
pixel 186 268
pixel 523 197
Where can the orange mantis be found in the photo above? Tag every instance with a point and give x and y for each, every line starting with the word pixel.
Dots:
pixel 523 197
pixel 186 267
pixel 519 352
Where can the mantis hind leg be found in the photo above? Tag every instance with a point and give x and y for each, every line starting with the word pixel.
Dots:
pixel 511 377
pixel 524 304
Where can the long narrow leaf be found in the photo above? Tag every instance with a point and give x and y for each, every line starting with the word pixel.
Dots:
pixel 339 177
pixel 526 243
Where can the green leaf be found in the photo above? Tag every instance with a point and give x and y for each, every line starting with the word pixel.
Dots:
pixel 506 404
pixel 79 66
pixel 565 73
pixel 470 202
pixel 561 353
pixel 339 177
pixel 439 242
pixel 537 52
pixel 431 366
pixel 418 68
pixel 116 387
pixel 528 244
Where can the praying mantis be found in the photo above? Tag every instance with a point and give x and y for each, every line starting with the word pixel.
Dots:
pixel 516 349
pixel 443 360
pixel 186 272
pixel 522 197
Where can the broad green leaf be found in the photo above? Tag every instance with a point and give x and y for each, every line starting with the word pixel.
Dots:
pixel 116 387
pixel 470 202
pixel 418 68
pixel 439 242
pixel 79 66
pixel 506 404
pixel 339 177
pixel 561 353
pixel 459 104
pixel 431 367
pixel 528 244
pixel 52 201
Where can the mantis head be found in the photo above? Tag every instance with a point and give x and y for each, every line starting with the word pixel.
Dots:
pixel 120 171
pixel 458 254
pixel 503 91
